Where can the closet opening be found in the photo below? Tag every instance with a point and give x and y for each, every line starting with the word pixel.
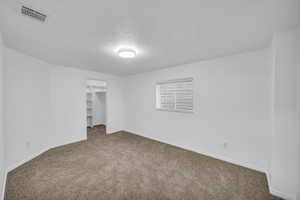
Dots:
pixel 96 93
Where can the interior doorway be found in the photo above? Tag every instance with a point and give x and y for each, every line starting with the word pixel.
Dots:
pixel 96 93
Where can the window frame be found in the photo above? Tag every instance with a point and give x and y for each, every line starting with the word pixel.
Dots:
pixel 157 95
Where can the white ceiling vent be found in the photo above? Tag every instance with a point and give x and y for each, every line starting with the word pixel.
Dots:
pixel 34 14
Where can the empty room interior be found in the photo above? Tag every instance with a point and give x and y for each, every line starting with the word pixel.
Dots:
pixel 150 100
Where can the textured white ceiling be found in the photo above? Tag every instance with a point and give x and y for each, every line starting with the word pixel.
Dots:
pixel 85 34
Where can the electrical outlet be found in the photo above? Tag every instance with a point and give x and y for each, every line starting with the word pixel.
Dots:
pixel 27 145
pixel 225 145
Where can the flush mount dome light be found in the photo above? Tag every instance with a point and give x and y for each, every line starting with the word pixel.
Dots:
pixel 127 53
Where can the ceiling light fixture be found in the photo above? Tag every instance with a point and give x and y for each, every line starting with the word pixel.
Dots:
pixel 127 53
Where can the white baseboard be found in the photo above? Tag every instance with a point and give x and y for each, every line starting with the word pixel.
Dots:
pixel 233 161
pixel 240 163
pixel 281 194
pixel 67 142
pixel 272 190
pixel 213 155
pixel 276 192
pixel 19 163
pixel 4 185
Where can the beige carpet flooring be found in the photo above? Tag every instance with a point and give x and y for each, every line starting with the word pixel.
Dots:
pixel 96 131
pixel 125 166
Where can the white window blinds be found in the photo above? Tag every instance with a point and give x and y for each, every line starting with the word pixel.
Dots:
pixel 175 95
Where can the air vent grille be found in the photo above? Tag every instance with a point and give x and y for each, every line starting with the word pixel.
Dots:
pixel 34 14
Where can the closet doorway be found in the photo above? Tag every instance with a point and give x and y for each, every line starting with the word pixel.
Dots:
pixel 96 93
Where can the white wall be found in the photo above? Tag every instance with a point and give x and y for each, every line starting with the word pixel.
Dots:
pixel 68 99
pixel 285 149
pixel 232 105
pixel 100 107
pixel 27 111
pixel 2 143
pixel 46 105
pixel 298 113
pixel 244 100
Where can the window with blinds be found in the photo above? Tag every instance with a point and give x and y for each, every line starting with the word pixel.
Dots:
pixel 175 95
